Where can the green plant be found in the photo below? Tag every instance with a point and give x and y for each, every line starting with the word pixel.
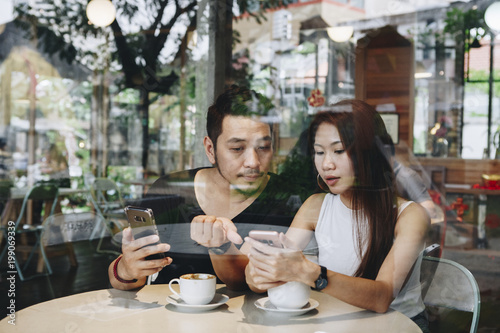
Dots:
pixel 460 22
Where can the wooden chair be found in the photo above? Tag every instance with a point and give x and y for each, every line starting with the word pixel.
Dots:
pixel 46 194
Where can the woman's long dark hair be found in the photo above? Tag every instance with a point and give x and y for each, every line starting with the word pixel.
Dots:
pixel 363 134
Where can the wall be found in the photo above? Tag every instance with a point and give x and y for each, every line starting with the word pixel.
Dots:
pixel 462 171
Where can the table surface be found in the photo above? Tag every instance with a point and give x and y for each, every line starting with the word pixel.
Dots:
pixel 147 310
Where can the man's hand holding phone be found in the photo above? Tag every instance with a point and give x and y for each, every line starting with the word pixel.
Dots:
pixel 134 264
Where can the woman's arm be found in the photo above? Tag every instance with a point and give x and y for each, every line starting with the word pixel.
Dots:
pixel 299 234
pixel 375 295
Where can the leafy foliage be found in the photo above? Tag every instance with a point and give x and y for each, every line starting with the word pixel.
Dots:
pixel 140 33
pixel 460 23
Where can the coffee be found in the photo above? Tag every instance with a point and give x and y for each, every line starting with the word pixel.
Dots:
pixel 198 276
pixel 195 289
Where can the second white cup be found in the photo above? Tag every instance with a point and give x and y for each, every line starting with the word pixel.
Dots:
pixel 291 295
pixel 195 289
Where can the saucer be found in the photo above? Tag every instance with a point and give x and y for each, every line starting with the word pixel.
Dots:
pixel 218 300
pixel 266 305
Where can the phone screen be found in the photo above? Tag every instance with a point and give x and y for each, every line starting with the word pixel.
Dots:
pixel 270 238
pixel 142 222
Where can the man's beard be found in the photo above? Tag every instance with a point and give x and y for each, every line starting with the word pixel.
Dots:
pixel 247 190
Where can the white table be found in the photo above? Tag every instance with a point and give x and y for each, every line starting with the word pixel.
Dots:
pixel 13 205
pixel 147 310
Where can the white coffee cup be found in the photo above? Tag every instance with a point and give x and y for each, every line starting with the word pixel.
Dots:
pixel 291 295
pixel 196 289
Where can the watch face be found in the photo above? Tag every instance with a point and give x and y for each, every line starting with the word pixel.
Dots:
pixel 321 283
pixel 322 280
pixel 217 250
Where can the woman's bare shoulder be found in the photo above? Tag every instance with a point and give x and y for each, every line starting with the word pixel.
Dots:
pixel 315 200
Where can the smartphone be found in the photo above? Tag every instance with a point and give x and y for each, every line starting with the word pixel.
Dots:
pixel 142 222
pixel 271 238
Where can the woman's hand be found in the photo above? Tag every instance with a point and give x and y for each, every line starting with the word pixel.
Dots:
pixel 211 231
pixel 270 266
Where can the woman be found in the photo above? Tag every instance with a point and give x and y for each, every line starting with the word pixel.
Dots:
pixel 368 238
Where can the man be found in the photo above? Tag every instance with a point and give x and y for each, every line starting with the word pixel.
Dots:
pixel 206 213
pixel 409 184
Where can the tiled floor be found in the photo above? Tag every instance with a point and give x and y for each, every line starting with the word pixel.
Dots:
pixel 91 274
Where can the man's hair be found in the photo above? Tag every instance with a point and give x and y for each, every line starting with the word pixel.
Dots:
pixel 235 101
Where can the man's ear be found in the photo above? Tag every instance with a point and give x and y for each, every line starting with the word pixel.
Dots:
pixel 209 149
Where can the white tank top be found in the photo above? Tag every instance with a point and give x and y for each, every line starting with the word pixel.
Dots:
pixel 338 251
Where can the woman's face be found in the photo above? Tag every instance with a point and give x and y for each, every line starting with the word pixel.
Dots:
pixel 332 161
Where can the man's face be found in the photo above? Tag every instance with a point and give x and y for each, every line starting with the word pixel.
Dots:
pixel 244 152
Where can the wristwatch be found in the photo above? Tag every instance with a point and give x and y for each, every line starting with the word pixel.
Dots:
pixel 322 280
pixel 221 249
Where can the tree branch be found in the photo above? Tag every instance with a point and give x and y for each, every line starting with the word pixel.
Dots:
pixel 133 73
pixel 159 41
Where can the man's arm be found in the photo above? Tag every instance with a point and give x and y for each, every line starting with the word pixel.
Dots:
pixel 131 269
pixel 219 235
pixel 230 267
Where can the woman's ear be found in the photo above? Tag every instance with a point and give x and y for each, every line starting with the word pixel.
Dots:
pixel 209 149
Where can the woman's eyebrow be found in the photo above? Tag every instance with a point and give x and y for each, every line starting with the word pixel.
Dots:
pixel 331 144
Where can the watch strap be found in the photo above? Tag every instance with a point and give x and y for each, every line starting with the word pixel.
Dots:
pixel 220 249
pixel 322 280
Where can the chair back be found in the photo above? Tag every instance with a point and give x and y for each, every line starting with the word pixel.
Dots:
pixel 106 195
pixel 5 186
pixel 43 192
pixel 448 284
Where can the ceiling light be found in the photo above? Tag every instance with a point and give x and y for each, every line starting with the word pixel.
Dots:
pixel 101 13
pixel 491 16
pixel 340 34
